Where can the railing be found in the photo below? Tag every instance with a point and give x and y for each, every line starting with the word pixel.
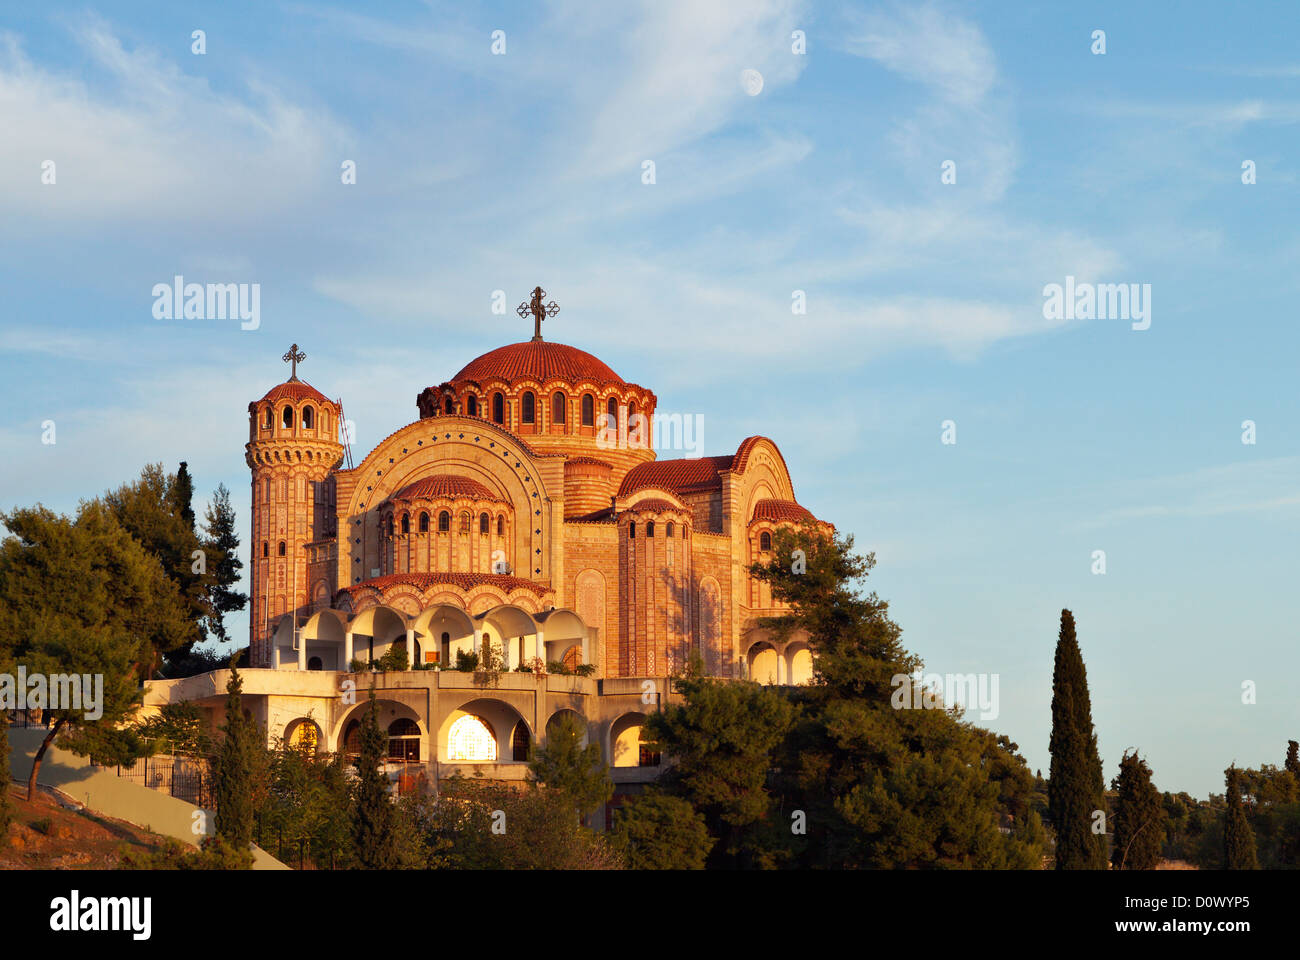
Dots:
pixel 187 778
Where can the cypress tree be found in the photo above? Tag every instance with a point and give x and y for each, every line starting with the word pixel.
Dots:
pixel 236 770
pixel 1139 817
pixel 1238 837
pixel 1076 788
pixel 1293 757
pixel 222 545
pixel 182 495
pixel 374 831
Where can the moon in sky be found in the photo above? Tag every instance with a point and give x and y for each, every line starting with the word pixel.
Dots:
pixel 752 81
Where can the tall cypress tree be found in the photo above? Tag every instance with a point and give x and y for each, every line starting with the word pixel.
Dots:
pixel 236 770
pixel 1238 837
pixel 374 832
pixel 1293 757
pixel 222 545
pixel 1139 817
pixel 182 495
pixel 1076 789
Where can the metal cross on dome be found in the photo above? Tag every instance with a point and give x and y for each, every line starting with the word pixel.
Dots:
pixel 538 310
pixel 294 356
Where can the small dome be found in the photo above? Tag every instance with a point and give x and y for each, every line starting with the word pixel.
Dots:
pixel 294 391
pixel 655 505
pixel 780 511
pixel 453 488
pixel 539 360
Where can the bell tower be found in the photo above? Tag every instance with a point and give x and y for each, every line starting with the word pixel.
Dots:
pixel 293 450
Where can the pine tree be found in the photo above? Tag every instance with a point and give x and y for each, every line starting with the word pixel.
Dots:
pixel 237 770
pixel 1238 837
pixel 1076 787
pixel 1139 817
pixel 374 833
pixel 222 545
pixel 577 771
pixel 1293 757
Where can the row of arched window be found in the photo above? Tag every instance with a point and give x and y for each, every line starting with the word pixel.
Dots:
pixel 669 529
pixel 528 407
pixel 444 523
pixel 287 418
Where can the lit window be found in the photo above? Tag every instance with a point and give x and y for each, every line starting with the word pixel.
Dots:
pixel 472 740
pixel 464 523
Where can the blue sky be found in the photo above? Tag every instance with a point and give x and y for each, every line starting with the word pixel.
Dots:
pixel 478 172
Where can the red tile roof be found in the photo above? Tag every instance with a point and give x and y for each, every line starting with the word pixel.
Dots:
pixel 679 476
pixel 447 486
pixel 294 390
pixel 465 581
pixel 779 511
pixel 654 505
pixel 539 360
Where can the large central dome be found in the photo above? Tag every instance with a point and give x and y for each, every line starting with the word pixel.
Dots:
pixel 539 360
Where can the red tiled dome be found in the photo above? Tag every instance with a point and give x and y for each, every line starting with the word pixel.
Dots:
pixel 680 476
pixel 294 391
pixel 655 505
pixel 780 511
pixel 540 360
pixel 444 486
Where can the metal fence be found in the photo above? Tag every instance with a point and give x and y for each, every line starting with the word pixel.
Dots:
pixel 187 778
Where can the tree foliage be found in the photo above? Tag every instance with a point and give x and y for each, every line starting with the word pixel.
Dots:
pixel 1139 820
pixel 564 764
pixel 657 831
pixel 1076 787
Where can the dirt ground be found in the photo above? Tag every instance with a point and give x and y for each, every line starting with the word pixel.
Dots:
pixel 46 835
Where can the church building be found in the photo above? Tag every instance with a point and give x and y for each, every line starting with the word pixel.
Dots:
pixel 516 552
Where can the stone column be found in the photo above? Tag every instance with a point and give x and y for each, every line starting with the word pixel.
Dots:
pixel 302 648
pixel 410 648
pixel 347 650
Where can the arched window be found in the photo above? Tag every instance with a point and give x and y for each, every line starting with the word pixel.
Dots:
pixel 472 739
pixel 282 548
pixel 288 418
pixel 406 523
pixel 650 528
pixel 324 421
pixel 266 549
pixel 683 531
pixel 631 410
pixel 612 409
pixel 424 522
pixel 558 403
pixel 464 522
pixel 484 523
pixel 403 741
pixel 519 743
pixel 765 541
pixel 471 404
pixel 498 408
pixel 501 526
pixel 314 663
pixel 529 414
pixel 352 739
pixel 448 406
pixel 631 531
pixel 308 417
pixel 588 410
pixel 270 418
pixel 389 527
pixel 669 531
pixel 444 522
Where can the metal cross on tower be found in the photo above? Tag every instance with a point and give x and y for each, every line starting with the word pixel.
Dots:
pixel 294 356
pixel 538 310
